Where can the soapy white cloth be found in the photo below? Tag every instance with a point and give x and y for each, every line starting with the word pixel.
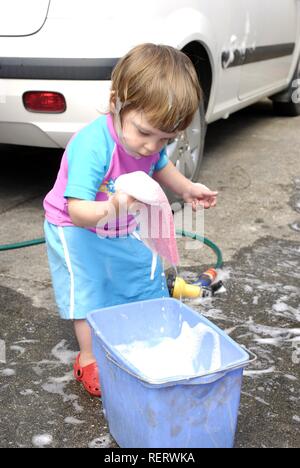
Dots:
pixel 140 186
pixel 194 352
pixel 154 217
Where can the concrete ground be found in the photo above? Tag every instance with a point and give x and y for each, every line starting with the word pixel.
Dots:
pixel 252 159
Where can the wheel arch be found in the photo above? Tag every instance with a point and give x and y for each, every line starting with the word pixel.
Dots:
pixel 198 54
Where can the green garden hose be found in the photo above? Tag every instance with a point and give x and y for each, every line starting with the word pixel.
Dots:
pixel 209 243
pixel 21 245
pixel 191 235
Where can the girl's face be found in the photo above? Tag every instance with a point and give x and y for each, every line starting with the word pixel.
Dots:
pixel 140 138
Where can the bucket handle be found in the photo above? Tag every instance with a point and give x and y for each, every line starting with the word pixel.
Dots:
pixel 211 376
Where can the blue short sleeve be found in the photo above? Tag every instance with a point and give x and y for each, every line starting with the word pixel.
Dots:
pixel 163 160
pixel 87 166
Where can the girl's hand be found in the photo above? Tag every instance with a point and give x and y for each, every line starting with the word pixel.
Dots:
pixel 199 194
pixel 122 201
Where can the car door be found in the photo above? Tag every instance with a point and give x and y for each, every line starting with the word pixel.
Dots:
pixel 267 45
pixel 225 17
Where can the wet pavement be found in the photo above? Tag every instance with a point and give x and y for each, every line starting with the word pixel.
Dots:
pixel 260 310
pixel 253 160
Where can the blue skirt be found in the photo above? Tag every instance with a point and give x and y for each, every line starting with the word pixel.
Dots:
pixel 90 272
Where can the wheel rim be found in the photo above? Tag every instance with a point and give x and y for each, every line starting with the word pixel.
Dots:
pixel 185 150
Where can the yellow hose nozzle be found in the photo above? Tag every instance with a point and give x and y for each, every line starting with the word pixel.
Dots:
pixel 179 288
pixel 182 289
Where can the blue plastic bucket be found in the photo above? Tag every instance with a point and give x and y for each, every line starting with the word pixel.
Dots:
pixel 186 411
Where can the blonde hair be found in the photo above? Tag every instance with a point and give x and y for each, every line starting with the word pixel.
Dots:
pixel 159 81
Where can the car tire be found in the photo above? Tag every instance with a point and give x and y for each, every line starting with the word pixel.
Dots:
pixel 288 102
pixel 186 151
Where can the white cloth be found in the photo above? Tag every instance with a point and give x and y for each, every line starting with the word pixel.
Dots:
pixel 154 216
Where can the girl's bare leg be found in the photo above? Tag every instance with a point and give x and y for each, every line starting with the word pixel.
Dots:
pixel 84 338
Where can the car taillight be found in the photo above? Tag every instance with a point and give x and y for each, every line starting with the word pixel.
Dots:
pixel 44 101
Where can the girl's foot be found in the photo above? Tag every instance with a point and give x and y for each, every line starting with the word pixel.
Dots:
pixel 89 376
pixel 86 359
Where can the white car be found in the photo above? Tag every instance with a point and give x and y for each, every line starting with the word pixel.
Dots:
pixel 56 58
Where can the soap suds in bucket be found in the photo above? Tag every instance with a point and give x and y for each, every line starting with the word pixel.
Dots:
pixel 194 352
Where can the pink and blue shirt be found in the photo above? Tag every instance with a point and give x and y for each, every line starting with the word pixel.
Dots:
pixel 92 161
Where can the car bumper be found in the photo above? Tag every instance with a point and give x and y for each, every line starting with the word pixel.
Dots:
pixel 86 100
pixel 56 68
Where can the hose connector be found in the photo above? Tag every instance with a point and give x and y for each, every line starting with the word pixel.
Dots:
pixel 178 288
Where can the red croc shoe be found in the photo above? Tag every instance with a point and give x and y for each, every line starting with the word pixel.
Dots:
pixel 89 376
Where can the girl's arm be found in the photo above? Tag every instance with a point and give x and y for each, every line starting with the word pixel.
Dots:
pixel 85 213
pixel 191 192
pixel 171 178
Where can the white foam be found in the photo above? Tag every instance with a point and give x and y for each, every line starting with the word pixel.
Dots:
pixel 18 349
pixel 42 440
pixel 280 307
pixel 253 373
pixel 101 442
pixel 7 372
pixel 224 274
pixel 73 421
pixel 27 392
pixel 194 352
pixel 291 377
pixel 56 385
pixel 255 300
pixel 63 354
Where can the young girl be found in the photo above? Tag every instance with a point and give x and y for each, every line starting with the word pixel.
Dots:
pixel 155 94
